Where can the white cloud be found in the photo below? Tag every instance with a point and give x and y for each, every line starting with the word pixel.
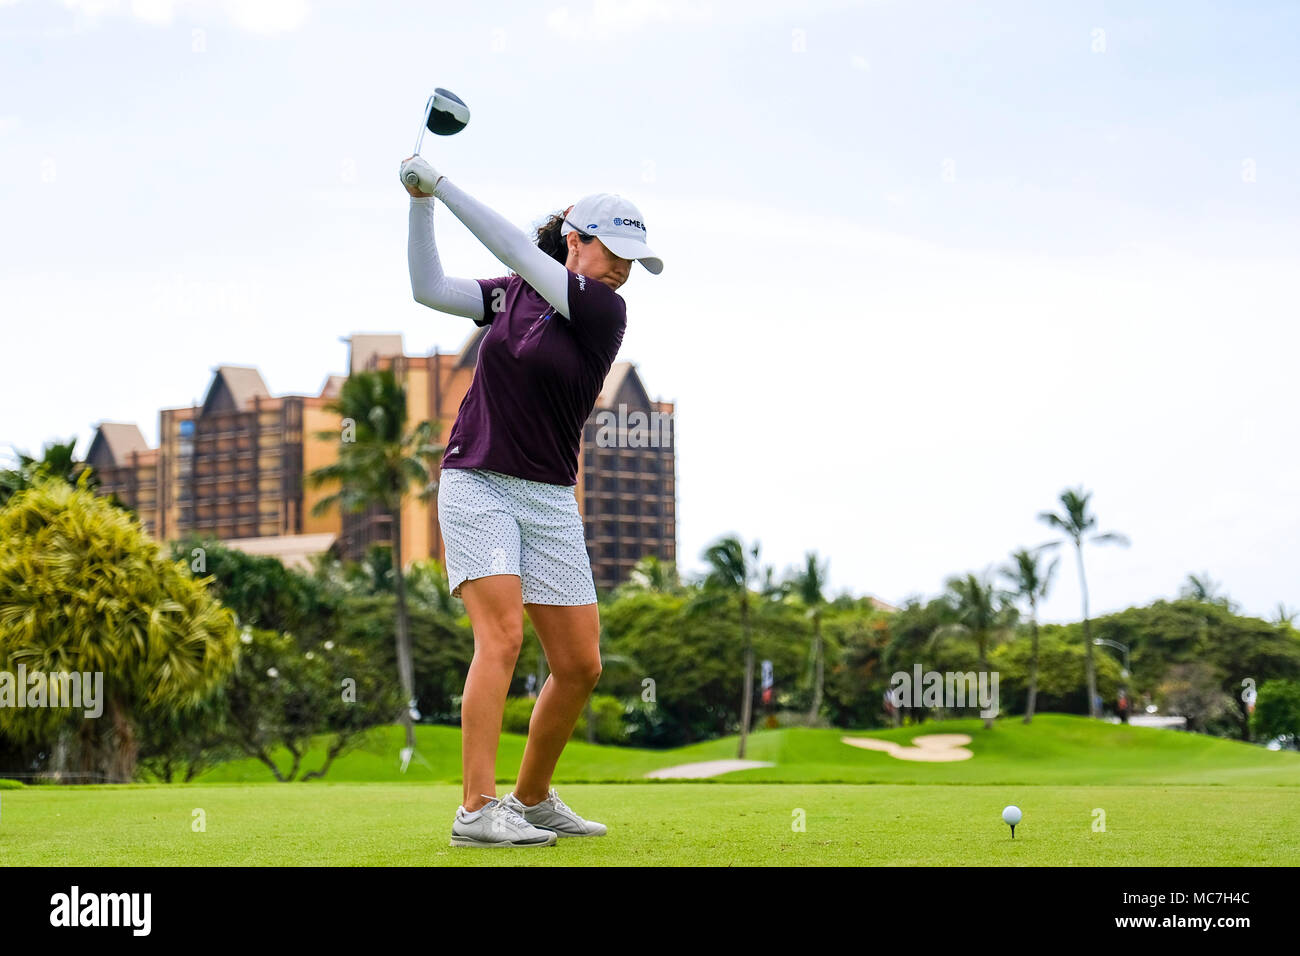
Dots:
pixel 268 16
pixel 618 16
pixel 153 11
pixel 93 8
pixel 254 16
pixel 608 17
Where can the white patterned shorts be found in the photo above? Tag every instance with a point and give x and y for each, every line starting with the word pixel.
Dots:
pixel 499 524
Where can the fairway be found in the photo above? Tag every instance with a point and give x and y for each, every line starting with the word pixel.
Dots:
pixel 1054 749
pixel 1165 799
pixel 659 825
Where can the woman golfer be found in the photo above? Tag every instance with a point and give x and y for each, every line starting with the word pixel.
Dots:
pixel 506 498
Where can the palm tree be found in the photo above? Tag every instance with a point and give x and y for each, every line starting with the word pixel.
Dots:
pixel 805 586
pixel 57 461
pixel 84 590
pixel 731 568
pixel 377 468
pixel 1075 522
pixel 1205 589
pixel 769 587
pixel 651 574
pixel 980 610
pixel 1031 585
pixel 427 579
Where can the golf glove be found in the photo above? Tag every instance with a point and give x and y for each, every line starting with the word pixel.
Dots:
pixel 418 173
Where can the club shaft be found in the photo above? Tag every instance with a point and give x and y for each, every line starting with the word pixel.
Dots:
pixel 424 125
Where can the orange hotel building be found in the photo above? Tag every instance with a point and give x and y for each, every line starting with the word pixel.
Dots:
pixel 232 466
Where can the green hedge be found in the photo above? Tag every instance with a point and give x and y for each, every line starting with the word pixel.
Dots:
pixel 1277 709
pixel 607 710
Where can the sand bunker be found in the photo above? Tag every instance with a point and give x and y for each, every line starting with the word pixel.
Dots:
pixel 707 768
pixel 931 748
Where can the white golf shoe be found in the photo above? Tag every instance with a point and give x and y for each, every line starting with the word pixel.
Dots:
pixel 552 814
pixel 497 825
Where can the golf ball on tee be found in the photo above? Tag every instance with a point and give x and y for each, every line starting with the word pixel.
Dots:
pixel 1011 815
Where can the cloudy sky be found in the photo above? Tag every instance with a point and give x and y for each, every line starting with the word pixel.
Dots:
pixel 926 264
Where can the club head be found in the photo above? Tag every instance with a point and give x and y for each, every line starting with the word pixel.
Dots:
pixel 447 113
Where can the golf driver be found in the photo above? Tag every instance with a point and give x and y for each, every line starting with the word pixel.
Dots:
pixel 445 114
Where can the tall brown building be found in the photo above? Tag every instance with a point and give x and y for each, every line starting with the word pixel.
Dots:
pixel 127 467
pixel 233 466
pixel 627 487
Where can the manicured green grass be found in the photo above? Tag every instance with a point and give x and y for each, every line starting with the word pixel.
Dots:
pixel 1169 799
pixel 1055 749
pixel 667 824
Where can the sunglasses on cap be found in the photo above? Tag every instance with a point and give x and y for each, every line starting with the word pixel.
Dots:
pixel 585 237
pixel 582 236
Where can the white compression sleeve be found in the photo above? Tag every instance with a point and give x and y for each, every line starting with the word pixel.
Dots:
pixel 429 285
pixel 510 244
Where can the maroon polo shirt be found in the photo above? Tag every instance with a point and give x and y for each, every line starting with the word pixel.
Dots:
pixel 536 380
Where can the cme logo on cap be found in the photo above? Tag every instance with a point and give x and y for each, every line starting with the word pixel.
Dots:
pixel 629 222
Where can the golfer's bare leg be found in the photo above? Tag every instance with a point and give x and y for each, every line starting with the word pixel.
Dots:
pixel 495 610
pixel 570 636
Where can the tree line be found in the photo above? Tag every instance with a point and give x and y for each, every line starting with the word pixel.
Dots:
pixel 212 654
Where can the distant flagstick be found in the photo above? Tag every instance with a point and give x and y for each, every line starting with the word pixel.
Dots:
pixel 409 752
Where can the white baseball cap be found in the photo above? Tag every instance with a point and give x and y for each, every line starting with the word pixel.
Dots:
pixel 617 223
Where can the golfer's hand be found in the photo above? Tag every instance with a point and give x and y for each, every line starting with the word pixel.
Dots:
pixel 426 176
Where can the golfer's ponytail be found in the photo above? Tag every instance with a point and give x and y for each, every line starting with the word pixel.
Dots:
pixel 550 241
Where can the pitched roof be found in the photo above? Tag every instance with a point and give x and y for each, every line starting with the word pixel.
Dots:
pixel 468 356
pixel 245 383
pixel 114 442
pixel 240 385
pixel 622 374
pixel 333 385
